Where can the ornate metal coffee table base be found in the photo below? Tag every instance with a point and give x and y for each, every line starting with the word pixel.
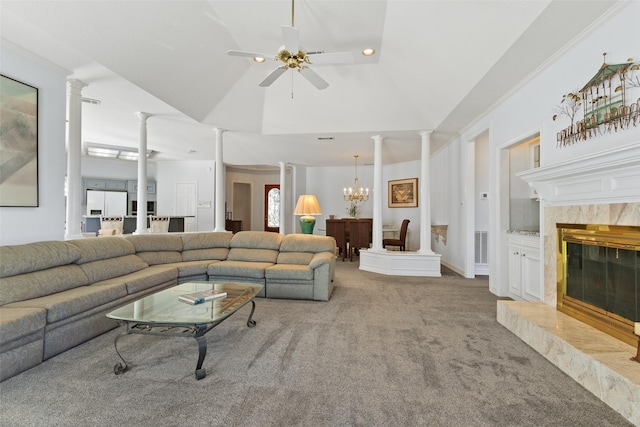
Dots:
pixel 173 330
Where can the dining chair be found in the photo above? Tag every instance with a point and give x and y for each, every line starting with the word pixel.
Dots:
pixel 112 222
pixel 401 241
pixel 159 224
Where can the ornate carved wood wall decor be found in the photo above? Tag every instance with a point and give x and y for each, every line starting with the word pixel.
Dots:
pixel 609 102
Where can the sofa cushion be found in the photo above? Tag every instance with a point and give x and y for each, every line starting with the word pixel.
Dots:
pixel 254 270
pixel 192 241
pixel 301 258
pixel 113 267
pixel 307 243
pixel 155 242
pixel 65 304
pixel 189 268
pixel 104 248
pixel 205 254
pixel 256 240
pixel 144 279
pixel 160 257
pixel 21 259
pixel 253 255
pixel 289 272
pixel 40 283
pixel 19 322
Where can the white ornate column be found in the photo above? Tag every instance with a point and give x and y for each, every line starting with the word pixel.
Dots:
pixel 141 219
pixel 219 219
pixel 282 210
pixel 376 243
pixel 425 197
pixel 74 155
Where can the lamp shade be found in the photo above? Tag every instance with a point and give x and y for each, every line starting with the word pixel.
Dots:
pixel 307 205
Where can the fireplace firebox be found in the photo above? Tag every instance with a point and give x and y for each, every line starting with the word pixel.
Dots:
pixel 599 277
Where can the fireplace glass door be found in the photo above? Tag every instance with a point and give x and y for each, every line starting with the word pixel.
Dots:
pixel 604 277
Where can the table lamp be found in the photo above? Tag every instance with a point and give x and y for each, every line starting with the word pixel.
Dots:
pixel 307 205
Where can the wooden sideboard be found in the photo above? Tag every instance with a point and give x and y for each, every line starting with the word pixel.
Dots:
pixel 233 225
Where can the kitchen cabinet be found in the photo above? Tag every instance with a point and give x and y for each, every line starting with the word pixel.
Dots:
pixel 132 187
pixel 524 268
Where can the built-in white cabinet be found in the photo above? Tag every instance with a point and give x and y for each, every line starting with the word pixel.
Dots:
pixel 524 268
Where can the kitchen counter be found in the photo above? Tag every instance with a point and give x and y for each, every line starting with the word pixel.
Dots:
pixel 92 224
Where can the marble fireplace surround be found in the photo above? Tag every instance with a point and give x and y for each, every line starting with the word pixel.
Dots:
pixel 602 188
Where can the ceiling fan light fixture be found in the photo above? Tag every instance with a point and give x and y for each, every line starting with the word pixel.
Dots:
pixel 258 59
pixel 369 51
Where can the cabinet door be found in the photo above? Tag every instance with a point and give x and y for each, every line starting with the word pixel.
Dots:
pixel 531 283
pixel 95 184
pixel 515 271
pixel 116 185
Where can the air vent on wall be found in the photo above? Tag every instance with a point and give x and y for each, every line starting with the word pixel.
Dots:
pixel 91 101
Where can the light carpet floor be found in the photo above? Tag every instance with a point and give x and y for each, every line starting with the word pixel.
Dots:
pixel 384 351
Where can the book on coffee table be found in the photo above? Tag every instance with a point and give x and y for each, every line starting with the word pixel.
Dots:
pixel 202 296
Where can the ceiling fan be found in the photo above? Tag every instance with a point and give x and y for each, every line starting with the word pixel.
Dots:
pixel 293 56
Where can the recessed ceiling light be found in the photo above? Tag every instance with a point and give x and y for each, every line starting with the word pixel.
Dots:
pixel 368 51
pixel 258 59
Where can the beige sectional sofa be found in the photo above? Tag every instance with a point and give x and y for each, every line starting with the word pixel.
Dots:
pixel 55 295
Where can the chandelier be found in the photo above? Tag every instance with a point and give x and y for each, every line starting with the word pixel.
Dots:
pixel 356 193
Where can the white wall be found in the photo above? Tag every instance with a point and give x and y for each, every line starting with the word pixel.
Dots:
pixel 199 172
pixel 481 182
pixel 115 169
pixel 447 203
pixel 525 112
pixel 47 221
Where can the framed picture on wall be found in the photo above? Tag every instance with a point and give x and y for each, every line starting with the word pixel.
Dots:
pixel 403 193
pixel 18 144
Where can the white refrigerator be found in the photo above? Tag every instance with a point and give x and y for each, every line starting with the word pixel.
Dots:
pixel 109 203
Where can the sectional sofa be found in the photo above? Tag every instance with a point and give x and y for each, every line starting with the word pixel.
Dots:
pixel 55 295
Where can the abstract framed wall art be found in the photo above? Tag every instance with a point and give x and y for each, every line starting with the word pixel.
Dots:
pixel 403 193
pixel 18 144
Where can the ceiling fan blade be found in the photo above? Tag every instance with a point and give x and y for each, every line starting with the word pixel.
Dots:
pixel 291 37
pixel 332 58
pixel 248 54
pixel 315 79
pixel 272 77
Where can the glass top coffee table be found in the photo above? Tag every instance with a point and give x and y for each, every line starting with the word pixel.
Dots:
pixel 164 314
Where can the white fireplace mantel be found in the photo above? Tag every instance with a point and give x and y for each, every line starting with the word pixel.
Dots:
pixel 611 176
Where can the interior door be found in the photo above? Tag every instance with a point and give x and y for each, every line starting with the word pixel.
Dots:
pixel 272 208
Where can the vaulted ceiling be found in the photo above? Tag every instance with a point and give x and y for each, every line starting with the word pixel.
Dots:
pixel 438 66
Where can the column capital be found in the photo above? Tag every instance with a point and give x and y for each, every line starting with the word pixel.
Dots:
pixel 76 84
pixel 143 116
pixel 377 138
pixel 219 131
pixel 424 133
